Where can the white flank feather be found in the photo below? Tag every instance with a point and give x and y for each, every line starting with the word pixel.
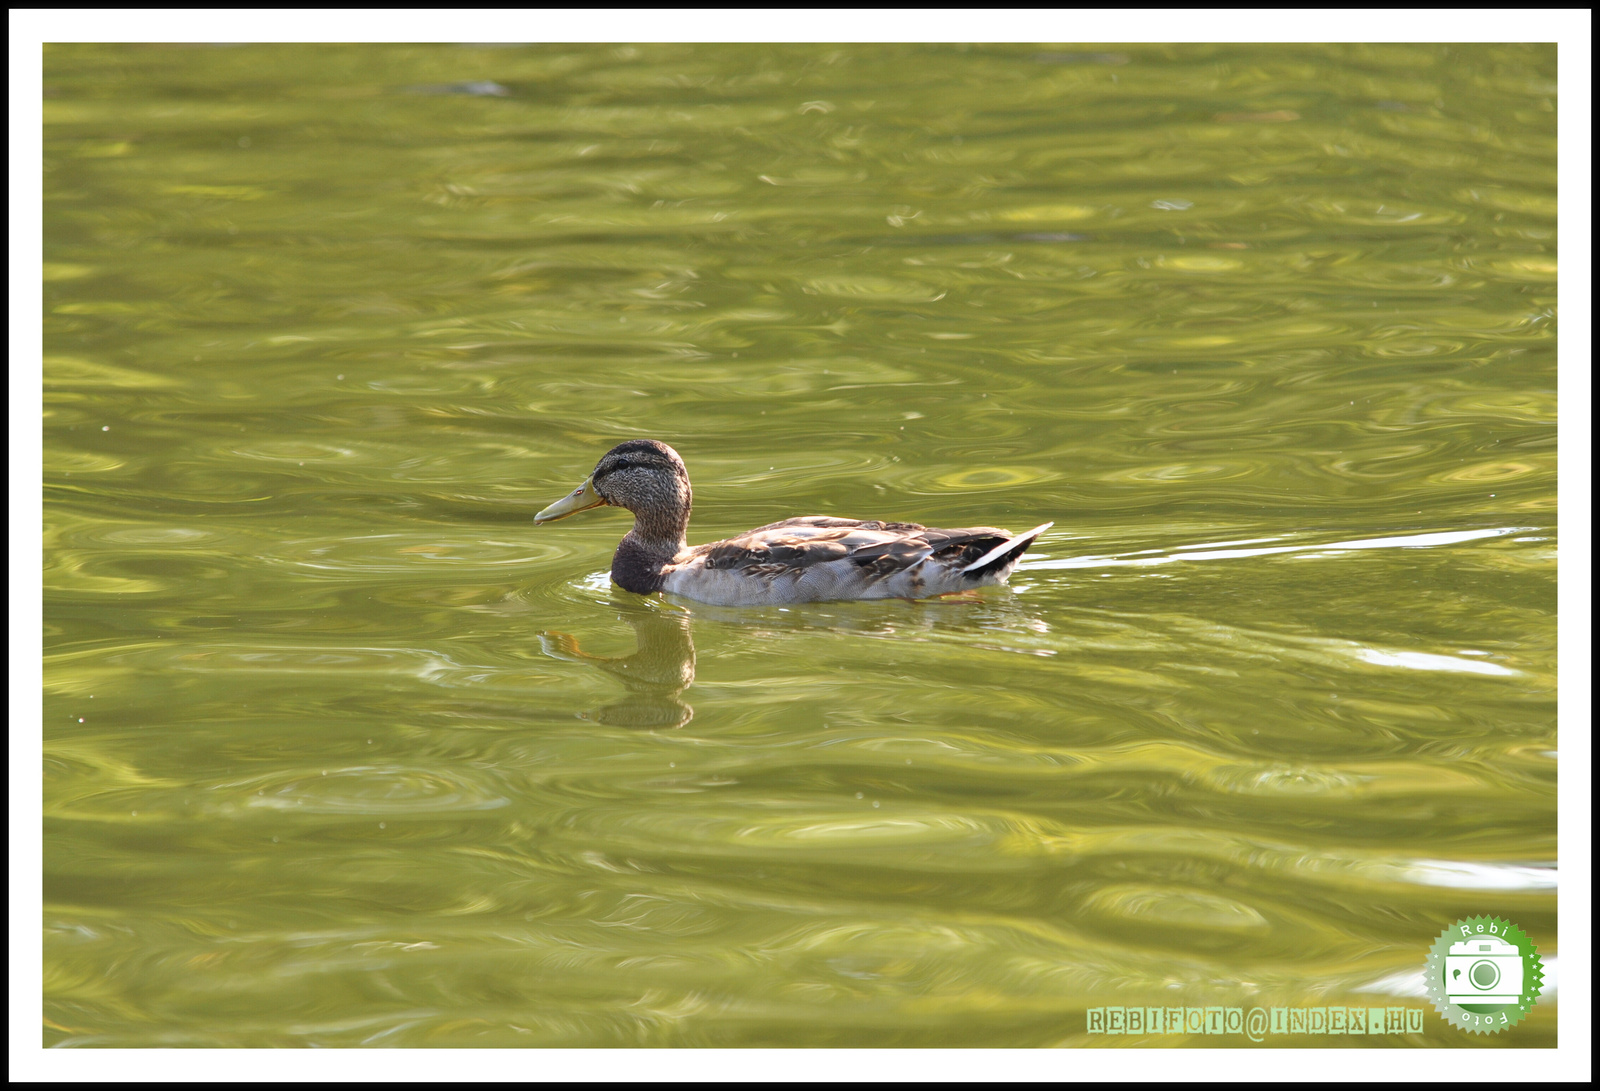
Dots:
pixel 1008 545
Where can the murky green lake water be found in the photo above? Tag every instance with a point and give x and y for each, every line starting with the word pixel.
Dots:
pixel 341 750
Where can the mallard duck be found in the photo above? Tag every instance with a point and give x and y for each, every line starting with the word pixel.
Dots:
pixel 807 559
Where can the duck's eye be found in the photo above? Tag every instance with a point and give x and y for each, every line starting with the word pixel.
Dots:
pixel 623 465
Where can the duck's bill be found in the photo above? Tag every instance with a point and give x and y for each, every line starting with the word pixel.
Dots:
pixel 579 499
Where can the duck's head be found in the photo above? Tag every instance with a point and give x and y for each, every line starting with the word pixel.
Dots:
pixel 643 475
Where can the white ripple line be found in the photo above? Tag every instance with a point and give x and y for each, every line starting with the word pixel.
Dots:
pixel 1408 541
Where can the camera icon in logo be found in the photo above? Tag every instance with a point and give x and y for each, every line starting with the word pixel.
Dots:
pixel 1483 971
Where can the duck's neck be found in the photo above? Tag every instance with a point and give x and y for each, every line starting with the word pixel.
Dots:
pixel 647 550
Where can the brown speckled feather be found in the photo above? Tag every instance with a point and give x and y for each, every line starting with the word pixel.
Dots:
pixel 818 556
pixel 880 548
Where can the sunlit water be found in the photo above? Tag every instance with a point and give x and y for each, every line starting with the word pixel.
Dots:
pixel 341 750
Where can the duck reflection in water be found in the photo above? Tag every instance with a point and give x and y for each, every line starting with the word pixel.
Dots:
pixel 661 668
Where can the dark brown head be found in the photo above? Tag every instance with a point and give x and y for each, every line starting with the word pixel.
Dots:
pixel 643 475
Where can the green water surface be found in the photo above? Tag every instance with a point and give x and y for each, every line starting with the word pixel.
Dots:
pixel 340 749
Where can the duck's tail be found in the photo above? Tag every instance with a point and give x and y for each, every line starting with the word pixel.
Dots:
pixel 1004 553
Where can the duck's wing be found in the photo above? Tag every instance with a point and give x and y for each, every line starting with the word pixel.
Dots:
pixel 821 557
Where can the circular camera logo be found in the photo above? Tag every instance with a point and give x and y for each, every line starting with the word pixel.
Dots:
pixel 1484 974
